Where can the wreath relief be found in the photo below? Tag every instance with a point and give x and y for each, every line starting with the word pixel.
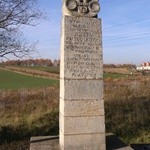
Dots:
pixel 87 8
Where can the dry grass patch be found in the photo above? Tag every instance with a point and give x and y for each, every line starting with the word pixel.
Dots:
pixel 25 113
pixel 127 110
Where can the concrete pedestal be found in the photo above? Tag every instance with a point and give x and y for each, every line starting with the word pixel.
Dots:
pixel 52 143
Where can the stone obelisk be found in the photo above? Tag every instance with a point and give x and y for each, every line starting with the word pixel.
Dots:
pixel 82 120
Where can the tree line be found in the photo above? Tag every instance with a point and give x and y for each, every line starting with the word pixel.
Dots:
pixel 32 62
pixel 130 66
pixel 55 62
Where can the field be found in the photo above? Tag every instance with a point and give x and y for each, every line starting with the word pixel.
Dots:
pixel 127 109
pixel 27 112
pixel 51 69
pixel 46 72
pixel 12 80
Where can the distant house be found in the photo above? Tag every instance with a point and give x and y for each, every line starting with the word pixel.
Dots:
pixel 145 66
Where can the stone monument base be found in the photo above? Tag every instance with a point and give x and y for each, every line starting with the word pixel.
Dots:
pixel 52 143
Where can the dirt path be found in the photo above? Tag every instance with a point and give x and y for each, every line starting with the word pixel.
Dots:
pixel 32 72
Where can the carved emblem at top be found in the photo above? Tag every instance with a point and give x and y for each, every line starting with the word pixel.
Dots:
pixel 83 8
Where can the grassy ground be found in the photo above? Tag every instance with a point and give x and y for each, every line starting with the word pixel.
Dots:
pixel 12 80
pixel 32 112
pixel 51 69
pixel 127 110
pixel 114 75
pixel 25 113
pixel 47 71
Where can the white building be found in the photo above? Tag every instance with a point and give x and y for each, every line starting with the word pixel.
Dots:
pixel 144 67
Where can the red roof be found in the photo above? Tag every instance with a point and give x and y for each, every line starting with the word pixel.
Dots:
pixel 145 64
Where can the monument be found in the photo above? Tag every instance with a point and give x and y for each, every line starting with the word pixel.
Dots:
pixel 81 114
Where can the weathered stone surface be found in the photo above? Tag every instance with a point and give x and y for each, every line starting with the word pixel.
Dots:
pixel 44 143
pixel 80 8
pixel 81 49
pixel 82 107
pixel 83 142
pixel 81 89
pixel 125 148
pixel 82 125
pixel 112 142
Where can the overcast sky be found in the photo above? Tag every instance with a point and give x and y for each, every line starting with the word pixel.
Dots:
pixel 126 30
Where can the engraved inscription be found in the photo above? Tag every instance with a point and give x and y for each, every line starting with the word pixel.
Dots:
pixel 83 53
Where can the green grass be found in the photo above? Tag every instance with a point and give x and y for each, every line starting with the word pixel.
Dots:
pixel 11 80
pixel 56 70
pixel 114 75
pixel 51 69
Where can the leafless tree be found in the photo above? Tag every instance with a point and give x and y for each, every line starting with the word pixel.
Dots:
pixel 14 14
